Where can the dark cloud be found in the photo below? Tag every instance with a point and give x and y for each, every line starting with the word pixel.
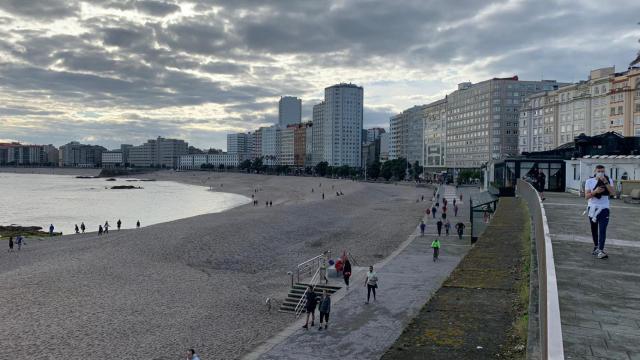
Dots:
pixel 21 111
pixel 156 8
pixel 219 67
pixel 49 9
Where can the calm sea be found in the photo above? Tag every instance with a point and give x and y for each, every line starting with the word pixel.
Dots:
pixel 40 200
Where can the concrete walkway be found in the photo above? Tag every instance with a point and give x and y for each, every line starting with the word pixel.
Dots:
pixel 599 299
pixel 407 279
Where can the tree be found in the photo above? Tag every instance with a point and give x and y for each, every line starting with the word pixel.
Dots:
pixel 416 170
pixel 373 170
pixel 322 168
pixel 245 165
pixel 214 151
pixel 395 168
pixel 343 171
pixel 195 150
pixel 257 165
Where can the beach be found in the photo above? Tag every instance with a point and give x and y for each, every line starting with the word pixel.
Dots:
pixel 199 282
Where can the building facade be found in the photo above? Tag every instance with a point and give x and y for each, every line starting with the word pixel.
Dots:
pixel 342 125
pixel 287 140
pixel 289 111
pixel 241 144
pixel 373 134
pixel 384 146
pixel 112 159
pixel 270 145
pixel 317 134
pixel 24 154
pixel 434 136
pixel 196 161
pixel 80 155
pixel 158 152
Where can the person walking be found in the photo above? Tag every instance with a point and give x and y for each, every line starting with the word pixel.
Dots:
pixel 99 229
pixel 439 226
pixel 460 229
pixel 322 196
pixel 447 227
pixel 10 244
pixel 324 308
pixel 323 271
pixel 422 227
pixel 433 211
pixel 455 210
pixel 598 189
pixel 310 306
pixel 51 230
pixel 191 355
pixel 371 282
pixel 541 180
pixel 82 227
pixel 138 224
pixel 346 271
pixel 106 227
pixel 19 242
pixel 435 244
pixel 119 224
pixel 77 229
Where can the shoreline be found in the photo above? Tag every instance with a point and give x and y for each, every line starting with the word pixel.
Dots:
pixel 187 282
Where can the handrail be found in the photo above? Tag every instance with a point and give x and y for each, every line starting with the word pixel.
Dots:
pixel 549 306
pixel 303 300
pixel 352 258
pixel 310 264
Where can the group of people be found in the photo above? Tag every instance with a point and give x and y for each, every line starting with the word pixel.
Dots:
pixel 19 241
pixel 102 229
pixel 442 222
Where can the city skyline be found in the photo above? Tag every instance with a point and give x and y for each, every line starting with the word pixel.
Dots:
pixel 109 73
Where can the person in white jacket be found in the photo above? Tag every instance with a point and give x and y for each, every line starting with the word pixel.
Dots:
pixel 597 192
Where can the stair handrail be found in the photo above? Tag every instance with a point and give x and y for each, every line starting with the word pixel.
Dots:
pixel 352 258
pixel 303 300
pixel 314 262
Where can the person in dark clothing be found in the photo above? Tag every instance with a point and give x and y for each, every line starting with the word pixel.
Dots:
pixel 99 229
pixel 10 244
pixel 138 224
pixel 460 229
pixel 77 229
pixel 324 308
pixel 423 226
pixel 433 211
pixel 439 225
pixel 346 272
pixel 82 227
pixel 310 306
pixel 119 223
pixel 51 230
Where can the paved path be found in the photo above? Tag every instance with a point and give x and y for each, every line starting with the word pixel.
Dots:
pixel 407 279
pixel 599 299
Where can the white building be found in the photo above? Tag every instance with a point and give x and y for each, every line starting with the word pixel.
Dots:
pixel 270 145
pixel 158 152
pixel 317 134
pixel 112 159
pixel 241 144
pixel 195 161
pixel 289 111
pixel 286 156
pixel 435 135
pixel 618 167
pixel 384 146
pixel 342 125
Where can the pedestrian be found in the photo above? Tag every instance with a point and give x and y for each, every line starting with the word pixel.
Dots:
pixel 422 198
pixel 310 306
pixel 455 210
pixel 77 229
pixel 447 227
pixel 460 229
pixel 422 227
pixel 439 226
pixel 541 180
pixel 460 197
pixel 454 202
pixel 10 244
pixel 191 355
pixel 433 211
pixel 51 230
pixel 138 224
pixel 323 271
pixel 270 203
pixel 106 227
pixel 312 190
pixel 346 271
pixel 325 308
pixel 119 224
pixel 266 203
pixel 99 229
pixel 435 244
pixel 598 189
pixel 371 282
pixel 322 196
pixel 82 227
pixel 19 242
pixel 444 215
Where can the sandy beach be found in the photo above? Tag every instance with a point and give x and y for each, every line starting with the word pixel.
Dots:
pixel 199 282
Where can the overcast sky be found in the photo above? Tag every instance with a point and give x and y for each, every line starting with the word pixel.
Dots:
pixel 110 72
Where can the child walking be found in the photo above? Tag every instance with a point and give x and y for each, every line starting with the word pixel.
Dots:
pixel 436 248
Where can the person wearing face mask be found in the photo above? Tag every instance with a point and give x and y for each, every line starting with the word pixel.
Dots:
pixel 597 192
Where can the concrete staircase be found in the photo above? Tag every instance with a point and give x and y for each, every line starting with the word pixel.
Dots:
pixel 296 292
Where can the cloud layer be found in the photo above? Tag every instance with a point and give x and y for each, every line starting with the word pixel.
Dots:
pixel 124 71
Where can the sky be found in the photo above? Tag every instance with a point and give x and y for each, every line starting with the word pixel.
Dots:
pixel 109 72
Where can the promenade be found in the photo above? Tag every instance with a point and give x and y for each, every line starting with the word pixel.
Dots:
pixel 599 299
pixel 407 279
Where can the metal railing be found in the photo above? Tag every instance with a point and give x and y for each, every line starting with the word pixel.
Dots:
pixel 352 259
pixel 309 266
pixel 303 300
pixel 549 307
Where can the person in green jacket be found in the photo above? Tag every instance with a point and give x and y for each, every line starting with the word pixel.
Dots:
pixel 435 244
